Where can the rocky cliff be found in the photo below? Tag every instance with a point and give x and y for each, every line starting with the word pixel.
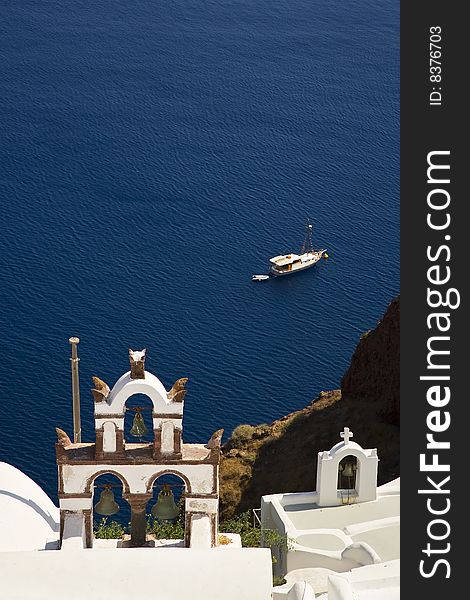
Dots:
pixel 282 456
pixel 374 374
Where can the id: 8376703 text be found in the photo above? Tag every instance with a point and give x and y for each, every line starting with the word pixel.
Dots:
pixel 435 65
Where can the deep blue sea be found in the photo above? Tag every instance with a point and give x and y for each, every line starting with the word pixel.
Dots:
pixel 153 156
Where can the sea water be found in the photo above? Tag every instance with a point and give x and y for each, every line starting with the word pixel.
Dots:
pixel 154 156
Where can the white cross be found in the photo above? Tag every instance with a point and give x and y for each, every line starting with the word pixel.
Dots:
pixel 346 434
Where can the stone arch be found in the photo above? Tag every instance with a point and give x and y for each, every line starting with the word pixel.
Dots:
pixel 361 458
pixel 126 387
pixel 129 411
pixel 350 450
pixel 347 451
pixel 155 476
pixel 122 479
pixel 166 415
pixel 108 422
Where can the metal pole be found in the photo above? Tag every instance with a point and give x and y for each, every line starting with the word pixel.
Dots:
pixel 77 427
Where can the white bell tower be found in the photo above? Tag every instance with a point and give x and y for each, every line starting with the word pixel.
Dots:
pixel 361 472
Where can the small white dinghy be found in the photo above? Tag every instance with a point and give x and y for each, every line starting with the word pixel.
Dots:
pixel 259 277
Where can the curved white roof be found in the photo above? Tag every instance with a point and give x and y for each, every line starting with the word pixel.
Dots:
pixel 349 446
pixel 28 517
pixel 150 381
pixel 125 387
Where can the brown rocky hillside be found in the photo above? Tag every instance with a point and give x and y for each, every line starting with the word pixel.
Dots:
pixel 282 456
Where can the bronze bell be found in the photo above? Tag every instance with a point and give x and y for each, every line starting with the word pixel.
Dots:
pixel 138 428
pixel 107 505
pixel 348 470
pixel 165 508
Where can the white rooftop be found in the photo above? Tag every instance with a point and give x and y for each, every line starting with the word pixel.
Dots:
pixel 371 582
pixel 331 529
pixel 307 515
pixel 284 259
pixel 339 529
pixel 29 520
pixel 120 574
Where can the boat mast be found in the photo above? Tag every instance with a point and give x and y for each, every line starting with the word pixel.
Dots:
pixel 307 246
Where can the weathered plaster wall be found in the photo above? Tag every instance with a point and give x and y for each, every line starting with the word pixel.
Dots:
pixel 77 478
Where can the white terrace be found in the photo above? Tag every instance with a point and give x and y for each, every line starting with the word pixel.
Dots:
pixel 346 523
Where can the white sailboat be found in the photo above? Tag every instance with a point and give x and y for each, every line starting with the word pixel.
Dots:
pixel 286 264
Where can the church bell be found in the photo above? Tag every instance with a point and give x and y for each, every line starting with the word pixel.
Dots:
pixel 348 470
pixel 165 508
pixel 138 428
pixel 107 505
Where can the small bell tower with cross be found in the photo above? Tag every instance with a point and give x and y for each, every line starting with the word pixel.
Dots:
pixel 328 469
